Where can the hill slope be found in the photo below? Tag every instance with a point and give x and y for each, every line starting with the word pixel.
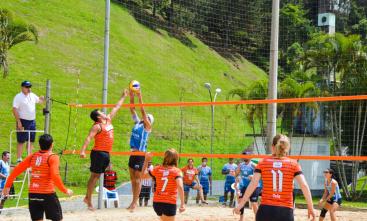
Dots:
pixel 71 43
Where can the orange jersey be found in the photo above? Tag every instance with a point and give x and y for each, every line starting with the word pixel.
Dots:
pixel 103 141
pixel 189 174
pixel 277 175
pixel 44 175
pixel 166 186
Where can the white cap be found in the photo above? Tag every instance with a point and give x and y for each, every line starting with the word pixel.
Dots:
pixel 151 118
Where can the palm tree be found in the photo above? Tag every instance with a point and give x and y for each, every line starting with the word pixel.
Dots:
pixel 343 58
pixel 254 113
pixel 12 33
pixel 291 88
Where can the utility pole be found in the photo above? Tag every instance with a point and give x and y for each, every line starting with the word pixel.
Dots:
pixel 47 109
pixel 105 85
pixel 273 75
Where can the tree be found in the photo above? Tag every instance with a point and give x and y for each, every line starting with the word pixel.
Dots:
pixel 12 33
pixel 255 114
pixel 342 61
pixel 291 88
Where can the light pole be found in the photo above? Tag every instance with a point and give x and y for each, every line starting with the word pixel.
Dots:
pixel 217 91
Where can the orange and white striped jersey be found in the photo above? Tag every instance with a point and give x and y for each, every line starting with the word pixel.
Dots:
pixel 166 186
pixel 277 175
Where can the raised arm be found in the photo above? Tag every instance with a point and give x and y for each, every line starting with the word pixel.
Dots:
pixel 307 194
pixel 93 131
pixel 147 124
pixel 119 103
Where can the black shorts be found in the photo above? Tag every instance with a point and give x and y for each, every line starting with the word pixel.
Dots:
pixel 145 192
pixel 254 197
pixel 165 209
pixel 136 162
pixel 332 201
pixel 23 137
pixel 44 203
pixel 99 161
pixel 274 213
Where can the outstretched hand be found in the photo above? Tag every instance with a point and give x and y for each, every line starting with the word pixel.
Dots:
pixel 125 93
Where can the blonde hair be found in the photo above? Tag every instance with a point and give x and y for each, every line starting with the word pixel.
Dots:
pixel 170 158
pixel 282 146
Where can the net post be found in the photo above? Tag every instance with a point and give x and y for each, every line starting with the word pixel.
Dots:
pixel 273 75
pixel 47 109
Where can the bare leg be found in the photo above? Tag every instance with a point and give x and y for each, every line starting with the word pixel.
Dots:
pixel 197 197
pixel 90 186
pixel 231 199
pixel 255 207
pixel 200 190
pixel 168 218
pixel 136 187
pixel 19 150
pixel 186 197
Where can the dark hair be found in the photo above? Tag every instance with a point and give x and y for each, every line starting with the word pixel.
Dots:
pixel 188 160
pixel 45 141
pixel 4 153
pixel 331 171
pixel 204 158
pixel 94 115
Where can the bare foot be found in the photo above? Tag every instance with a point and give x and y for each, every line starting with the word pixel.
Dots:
pixel 89 204
pixel 132 207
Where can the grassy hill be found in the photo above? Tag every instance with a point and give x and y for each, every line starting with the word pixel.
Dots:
pixel 71 44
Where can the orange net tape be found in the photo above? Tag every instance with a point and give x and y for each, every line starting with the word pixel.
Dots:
pixel 199 103
pixel 199 155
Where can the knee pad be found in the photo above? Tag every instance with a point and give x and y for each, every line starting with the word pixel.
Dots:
pixel 323 213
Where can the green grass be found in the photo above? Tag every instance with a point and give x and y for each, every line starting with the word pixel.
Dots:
pixel 71 43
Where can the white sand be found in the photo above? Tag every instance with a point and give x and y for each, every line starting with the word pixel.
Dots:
pixel 192 213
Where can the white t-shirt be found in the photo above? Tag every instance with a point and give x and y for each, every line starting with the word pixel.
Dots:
pixel 26 105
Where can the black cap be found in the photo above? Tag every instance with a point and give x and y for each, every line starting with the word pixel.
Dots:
pixel 26 84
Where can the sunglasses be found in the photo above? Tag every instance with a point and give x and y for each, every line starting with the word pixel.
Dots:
pixel 326 171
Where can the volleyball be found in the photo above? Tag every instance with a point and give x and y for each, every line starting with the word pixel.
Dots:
pixel 134 86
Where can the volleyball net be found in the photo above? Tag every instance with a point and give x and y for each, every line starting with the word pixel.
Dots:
pixel 325 132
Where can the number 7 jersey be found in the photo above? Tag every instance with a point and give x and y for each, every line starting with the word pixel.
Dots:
pixel 166 186
pixel 277 175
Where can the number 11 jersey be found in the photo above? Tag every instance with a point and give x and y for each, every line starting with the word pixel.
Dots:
pixel 166 186
pixel 277 175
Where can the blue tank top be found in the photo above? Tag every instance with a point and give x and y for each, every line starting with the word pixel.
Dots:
pixel 139 137
pixel 204 174
pixel 231 168
pixel 246 170
pixel 337 194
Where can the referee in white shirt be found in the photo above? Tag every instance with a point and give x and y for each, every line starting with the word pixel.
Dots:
pixel 24 111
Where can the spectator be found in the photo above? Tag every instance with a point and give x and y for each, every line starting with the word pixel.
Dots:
pixel 229 170
pixel 191 180
pixel 24 111
pixel 205 177
pixel 246 171
pixel 4 173
pixel 146 187
pixel 110 178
